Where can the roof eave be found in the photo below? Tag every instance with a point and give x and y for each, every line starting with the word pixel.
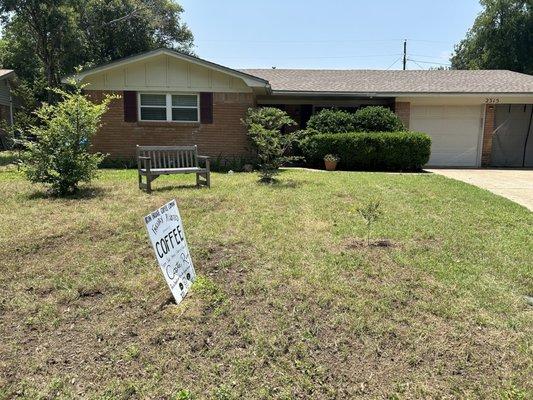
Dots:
pixel 9 75
pixel 392 94
pixel 250 80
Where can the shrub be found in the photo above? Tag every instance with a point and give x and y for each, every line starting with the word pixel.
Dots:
pixel 370 151
pixel 332 121
pixel 367 119
pixel 370 212
pixel 264 128
pixel 377 119
pixel 59 156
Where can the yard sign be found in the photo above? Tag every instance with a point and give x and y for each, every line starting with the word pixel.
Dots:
pixel 165 229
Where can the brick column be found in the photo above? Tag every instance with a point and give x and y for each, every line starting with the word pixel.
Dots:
pixel 403 110
pixel 488 130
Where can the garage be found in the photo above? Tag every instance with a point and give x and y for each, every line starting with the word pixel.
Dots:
pixel 455 132
pixel 512 141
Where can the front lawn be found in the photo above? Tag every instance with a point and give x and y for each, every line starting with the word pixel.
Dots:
pixel 288 304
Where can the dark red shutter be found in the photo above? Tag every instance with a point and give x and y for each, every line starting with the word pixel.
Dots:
pixel 130 106
pixel 206 108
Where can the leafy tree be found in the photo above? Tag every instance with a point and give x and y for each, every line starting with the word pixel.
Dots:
pixel 44 40
pixel 264 129
pixel 39 37
pixel 119 28
pixel 59 156
pixel 501 38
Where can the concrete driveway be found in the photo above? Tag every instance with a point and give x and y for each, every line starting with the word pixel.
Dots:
pixel 516 185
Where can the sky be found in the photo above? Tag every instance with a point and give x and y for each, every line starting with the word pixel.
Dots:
pixel 328 34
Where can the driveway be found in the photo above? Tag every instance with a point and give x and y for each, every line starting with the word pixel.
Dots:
pixel 516 185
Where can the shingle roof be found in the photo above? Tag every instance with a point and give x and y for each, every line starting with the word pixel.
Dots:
pixel 4 72
pixel 378 81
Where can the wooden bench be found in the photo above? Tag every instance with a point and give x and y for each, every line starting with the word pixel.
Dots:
pixel 153 161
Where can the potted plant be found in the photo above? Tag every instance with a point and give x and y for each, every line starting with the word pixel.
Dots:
pixel 331 160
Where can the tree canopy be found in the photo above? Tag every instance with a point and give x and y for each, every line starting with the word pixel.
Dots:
pixel 44 40
pixel 501 38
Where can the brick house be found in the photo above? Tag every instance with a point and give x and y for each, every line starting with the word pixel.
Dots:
pixel 475 118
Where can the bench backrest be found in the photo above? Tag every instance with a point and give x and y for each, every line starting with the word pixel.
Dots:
pixel 169 157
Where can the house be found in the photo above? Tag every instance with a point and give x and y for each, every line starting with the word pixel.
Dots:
pixel 475 118
pixel 7 78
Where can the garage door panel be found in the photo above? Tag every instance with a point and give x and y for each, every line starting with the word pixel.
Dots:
pixel 454 131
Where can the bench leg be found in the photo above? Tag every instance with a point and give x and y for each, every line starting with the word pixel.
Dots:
pixel 148 184
pixel 203 182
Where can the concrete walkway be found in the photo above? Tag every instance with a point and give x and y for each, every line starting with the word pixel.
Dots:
pixel 516 185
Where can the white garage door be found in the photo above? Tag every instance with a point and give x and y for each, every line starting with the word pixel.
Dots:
pixel 455 132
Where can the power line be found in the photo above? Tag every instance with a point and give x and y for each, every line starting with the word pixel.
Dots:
pixel 431 62
pixel 316 41
pixel 421 67
pixel 316 57
pixel 390 66
pixel 425 55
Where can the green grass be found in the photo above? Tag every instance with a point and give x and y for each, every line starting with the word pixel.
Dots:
pixel 289 303
pixel 8 158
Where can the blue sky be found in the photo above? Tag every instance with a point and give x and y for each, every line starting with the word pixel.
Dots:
pixel 327 33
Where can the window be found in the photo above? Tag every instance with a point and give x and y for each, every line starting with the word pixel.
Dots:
pixel 168 107
pixel 184 107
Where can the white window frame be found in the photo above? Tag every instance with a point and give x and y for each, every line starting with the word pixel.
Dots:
pixel 169 107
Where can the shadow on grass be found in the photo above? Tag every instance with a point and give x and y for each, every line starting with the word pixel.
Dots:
pixel 281 184
pixel 84 193
pixel 8 157
pixel 169 188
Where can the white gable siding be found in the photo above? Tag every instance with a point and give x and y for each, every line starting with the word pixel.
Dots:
pixel 168 73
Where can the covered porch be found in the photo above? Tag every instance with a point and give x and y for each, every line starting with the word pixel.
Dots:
pixel 302 106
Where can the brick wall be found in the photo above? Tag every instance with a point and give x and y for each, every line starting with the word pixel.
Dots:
pixel 226 137
pixel 403 110
pixel 488 130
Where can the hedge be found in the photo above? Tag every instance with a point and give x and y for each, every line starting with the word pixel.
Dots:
pixel 367 119
pixel 393 151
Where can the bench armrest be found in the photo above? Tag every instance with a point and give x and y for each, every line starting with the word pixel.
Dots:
pixel 147 163
pixel 206 160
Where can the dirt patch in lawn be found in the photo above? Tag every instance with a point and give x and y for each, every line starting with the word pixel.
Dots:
pixel 356 243
pixel 277 312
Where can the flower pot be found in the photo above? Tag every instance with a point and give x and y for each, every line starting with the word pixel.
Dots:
pixel 330 165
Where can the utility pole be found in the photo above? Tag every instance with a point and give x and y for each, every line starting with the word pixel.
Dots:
pixel 404 54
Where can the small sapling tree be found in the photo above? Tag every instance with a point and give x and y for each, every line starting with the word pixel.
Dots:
pixel 58 153
pixel 370 212
pixel 264 127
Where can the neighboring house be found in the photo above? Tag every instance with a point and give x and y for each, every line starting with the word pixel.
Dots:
pixel 475 118
pixel 7 78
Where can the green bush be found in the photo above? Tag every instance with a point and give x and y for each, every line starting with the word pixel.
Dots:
pixel 393 151
pixel 377 119
pixel 331 120
pixel 264 127
pixel 59 155
pixel 367 119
